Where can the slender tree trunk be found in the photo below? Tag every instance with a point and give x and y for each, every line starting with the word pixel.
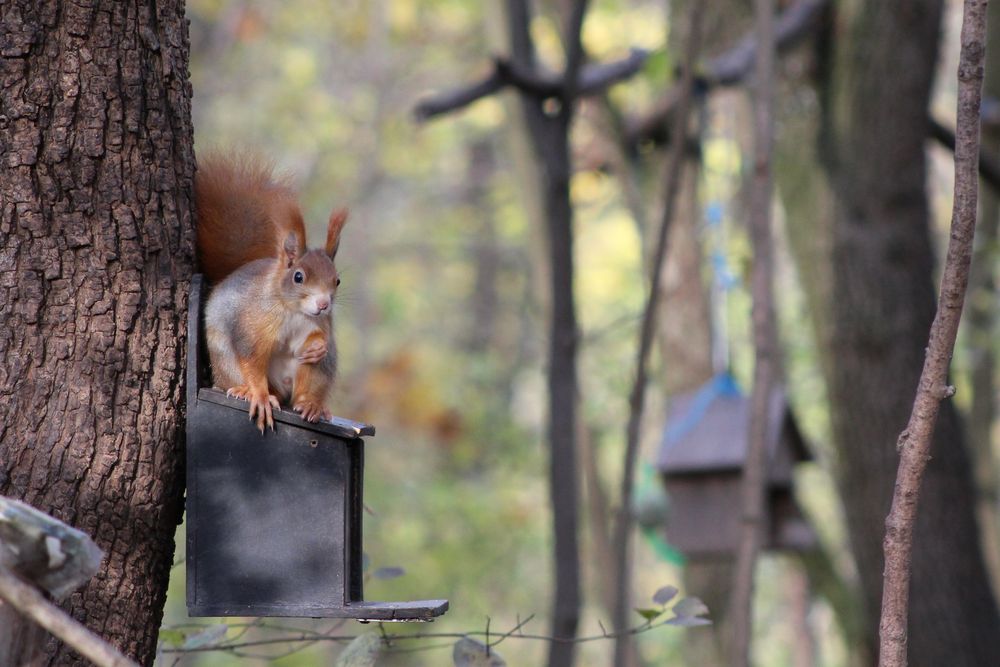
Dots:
pixel 563 476
pixel 767 362
pixel 874 106
pixel 914 444
pixel 549 132
pixel 807 201
pixel 95 256
pixel 625 649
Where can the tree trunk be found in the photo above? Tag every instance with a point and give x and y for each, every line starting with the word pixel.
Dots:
pixel 96 248
pixel 874 107
pixel 767 369
pixel 550 140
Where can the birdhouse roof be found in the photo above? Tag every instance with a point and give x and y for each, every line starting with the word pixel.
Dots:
pixel 707 429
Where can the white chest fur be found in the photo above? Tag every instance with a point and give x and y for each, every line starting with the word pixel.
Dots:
pixel 284 362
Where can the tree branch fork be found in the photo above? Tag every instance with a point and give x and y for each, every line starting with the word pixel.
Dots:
pixel 594 78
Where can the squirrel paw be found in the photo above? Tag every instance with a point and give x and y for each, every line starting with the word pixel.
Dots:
pixel 261 404
pixel 311 411
pixel 313 353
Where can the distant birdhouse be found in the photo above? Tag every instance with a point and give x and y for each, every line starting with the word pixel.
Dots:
pixel 701 459
pixel 274 521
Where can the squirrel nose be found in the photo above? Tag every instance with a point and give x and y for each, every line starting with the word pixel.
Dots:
pixel 323 303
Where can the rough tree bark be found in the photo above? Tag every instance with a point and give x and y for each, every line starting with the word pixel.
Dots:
pixel 95 255
pixel 875 86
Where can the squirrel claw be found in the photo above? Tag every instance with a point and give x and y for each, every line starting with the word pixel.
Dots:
pixel 262 405
pixel 311 411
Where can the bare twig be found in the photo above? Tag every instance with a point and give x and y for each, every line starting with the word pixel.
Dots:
pixel 731 67
pixel 573 44
pixel 790 27
pixel 765 338
pixel 989 166
pixel 915 441
pixel 517 628
pixel 624 651
pixel 452 100
pixel 592 79
pixel 514 633
pixel 30 602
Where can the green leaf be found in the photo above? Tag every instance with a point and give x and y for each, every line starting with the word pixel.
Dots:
pixel 172 637
pixel 690 606
pixel 388 572
pixel 665 594
pixel 206 637
pixel 363 651
pixel 649 614
pixel 470 653
pixel 658 65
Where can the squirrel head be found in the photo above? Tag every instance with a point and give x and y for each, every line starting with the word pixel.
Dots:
pixel 309 278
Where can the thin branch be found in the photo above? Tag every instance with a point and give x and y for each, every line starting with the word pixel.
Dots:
pixel 516 628
pixel 765 339
pixel 30 602
pixel 989 166
pixel 575 55
pixel 643 627
pixel 593 79
pixel 732 67
pixel 791 26
pixel 597 77
pixel 915 441
pixel 675 162
pixel 458 98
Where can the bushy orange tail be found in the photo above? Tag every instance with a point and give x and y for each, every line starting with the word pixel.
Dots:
pixel 244 213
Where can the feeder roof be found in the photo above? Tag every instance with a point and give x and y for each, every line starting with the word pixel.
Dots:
pixel 706 431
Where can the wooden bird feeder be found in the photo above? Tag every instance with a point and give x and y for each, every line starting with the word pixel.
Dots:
pixel 274 521
pixel 701 459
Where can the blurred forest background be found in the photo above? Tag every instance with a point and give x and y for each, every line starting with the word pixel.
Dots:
pixel 442 315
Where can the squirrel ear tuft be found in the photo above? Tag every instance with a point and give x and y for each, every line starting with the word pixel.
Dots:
pixel 290 249
pixel 337 221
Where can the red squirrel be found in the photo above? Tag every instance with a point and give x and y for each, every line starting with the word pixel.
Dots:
pixel 268 320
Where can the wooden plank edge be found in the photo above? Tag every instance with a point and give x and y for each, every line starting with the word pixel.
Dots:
pixel 414 611
pixel 337 426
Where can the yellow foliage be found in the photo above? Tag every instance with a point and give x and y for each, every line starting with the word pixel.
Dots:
pixel 722 155
pixel 606 34
pixel 299 65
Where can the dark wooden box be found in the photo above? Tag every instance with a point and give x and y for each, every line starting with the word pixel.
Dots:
pixel 274 521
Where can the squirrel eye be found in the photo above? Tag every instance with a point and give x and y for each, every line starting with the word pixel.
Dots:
pixel 338 282
pixel 299 276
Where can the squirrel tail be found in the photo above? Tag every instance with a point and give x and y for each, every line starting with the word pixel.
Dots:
pixel 244 213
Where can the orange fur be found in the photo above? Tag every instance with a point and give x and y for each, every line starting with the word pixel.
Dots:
pixel 256 316
pixel 244 213
pixel 312 386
